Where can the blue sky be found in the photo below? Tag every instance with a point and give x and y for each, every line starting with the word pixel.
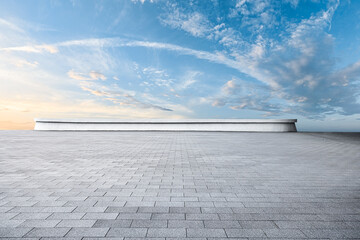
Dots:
pixel 181 59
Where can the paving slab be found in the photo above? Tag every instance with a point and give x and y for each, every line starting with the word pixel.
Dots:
pixel 179 185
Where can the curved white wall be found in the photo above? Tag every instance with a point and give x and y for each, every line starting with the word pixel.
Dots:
pixel 241 125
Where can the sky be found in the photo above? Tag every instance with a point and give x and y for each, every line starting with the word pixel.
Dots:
pixel 181 59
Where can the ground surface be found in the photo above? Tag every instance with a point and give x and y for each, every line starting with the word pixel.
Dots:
pixel 179 185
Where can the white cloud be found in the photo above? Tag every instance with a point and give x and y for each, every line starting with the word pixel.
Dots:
pixel 188 82
pixel 194 23
pixel 143 1
pixel 54 48
pixel 77 76
pixel 96 76
pixel 189 79
pixel 239 94
pixel 11 26
pixel 225 36
pixel 293 3
pixel 92 75
pixel 241 63
pixel 198 25
pixel 32 49
pixel 23 63
pixel 157 77
pixel 250 7
pixel 120 96
pixel 49 48
pixel 29 49
pixel 256 15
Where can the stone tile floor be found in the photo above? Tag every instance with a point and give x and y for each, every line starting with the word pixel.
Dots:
pixel 175 185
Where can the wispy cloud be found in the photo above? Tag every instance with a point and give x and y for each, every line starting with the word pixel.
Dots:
pixel 32 49
pixel 226 36
pixel 158 77
pixel 238 94
pixel 256 15
pixel 241 64
pixel 198 25
pixel 189 78
pixel 194 23
pixel 22 63
pixel 10 25
pixel 53 48
pixel 86 76
pixel 119 96
pixel 293 3
pixel 97 75
pixel 143 1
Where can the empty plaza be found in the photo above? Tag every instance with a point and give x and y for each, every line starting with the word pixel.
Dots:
pixel 176 185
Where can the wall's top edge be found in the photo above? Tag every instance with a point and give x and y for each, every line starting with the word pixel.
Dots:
pixel 103 120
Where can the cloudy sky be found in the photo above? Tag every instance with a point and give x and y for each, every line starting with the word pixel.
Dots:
pixel 181 59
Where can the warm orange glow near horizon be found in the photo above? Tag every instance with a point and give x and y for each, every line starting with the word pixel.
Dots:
pixel 16 126
pixel 20 115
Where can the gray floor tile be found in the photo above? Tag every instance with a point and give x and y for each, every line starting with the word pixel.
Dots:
pixel 48 232
pixel 75 223
pixel 87 232
pixel 127 232
pixel 118 223
pixel 199 233
pixel 185 224
pixel 166 232
pixel 177 185
pixel 13 232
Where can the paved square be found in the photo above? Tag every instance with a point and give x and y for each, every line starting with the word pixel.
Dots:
pixel 176 185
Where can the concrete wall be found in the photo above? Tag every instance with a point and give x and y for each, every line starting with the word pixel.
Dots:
pixel 241 125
